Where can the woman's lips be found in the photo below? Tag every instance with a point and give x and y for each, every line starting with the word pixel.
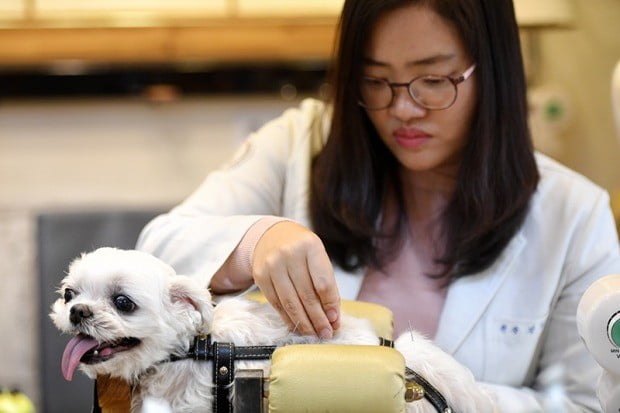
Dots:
pixel 410 138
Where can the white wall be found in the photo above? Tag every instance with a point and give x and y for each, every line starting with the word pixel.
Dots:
pixel 118 153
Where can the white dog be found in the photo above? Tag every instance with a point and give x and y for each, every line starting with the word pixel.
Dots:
pixel 130 314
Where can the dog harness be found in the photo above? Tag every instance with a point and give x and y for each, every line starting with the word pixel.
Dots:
pixel 224 355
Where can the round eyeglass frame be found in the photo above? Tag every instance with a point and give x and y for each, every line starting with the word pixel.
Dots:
pixel 455 81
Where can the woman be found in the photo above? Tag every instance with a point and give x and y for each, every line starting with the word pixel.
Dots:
pixel 417 188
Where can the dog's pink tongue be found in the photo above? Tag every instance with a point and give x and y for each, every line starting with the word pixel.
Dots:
pixel 73 353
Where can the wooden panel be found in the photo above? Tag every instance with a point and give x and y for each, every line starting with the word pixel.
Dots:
pixel 263 8
pixel 536 13
pixel 12 9
pixel 62 6
pixel 23 46
pixel 130 12
pixel 226 40
pixel 256 40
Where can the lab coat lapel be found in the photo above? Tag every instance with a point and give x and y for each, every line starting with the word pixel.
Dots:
pixel 469 297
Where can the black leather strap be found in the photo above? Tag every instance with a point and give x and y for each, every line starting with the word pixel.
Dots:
pixel 254 352
pixel 96 407
pixel 201 349
pixel 431 394
pixel 385 342
pixel 223 375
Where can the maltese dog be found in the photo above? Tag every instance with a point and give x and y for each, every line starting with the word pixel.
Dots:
pixel 131 316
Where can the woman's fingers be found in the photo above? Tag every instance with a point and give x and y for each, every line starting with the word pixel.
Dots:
pixel 293 306
pixel 282 294
pixel 324 283
pixel 267 288
pixel 291 267
pixel 310 300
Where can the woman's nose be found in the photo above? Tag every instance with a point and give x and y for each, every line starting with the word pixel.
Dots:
pixel 404 107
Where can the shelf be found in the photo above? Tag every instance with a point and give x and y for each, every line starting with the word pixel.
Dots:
pixel 11 10
pixel 217 40
pixel 86 9
pixel 287 8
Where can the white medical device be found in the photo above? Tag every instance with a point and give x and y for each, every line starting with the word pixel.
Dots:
pixel 598 323
pixel 615 97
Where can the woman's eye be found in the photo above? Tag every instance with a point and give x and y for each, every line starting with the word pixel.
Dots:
pixel 69 294
pixel 124 304
pixel 435 82
pixel 370 82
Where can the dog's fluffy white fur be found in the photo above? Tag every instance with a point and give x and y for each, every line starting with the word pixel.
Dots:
pixel 110 295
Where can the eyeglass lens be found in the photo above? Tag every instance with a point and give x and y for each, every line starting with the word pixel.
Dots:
pixel 431 92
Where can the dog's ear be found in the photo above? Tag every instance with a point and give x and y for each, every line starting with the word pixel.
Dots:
pixel 187 292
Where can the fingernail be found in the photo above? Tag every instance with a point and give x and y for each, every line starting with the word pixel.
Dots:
pixel 326 333
pixel 332 315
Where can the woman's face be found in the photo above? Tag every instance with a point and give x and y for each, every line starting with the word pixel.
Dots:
pixel 410 42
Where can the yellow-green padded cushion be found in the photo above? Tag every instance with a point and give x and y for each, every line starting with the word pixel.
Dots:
pixel 380 317
pixel 336 378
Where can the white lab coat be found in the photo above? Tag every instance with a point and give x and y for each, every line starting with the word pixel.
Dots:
pixel 509 324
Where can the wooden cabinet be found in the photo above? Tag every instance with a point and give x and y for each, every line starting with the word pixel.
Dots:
pixel 40 32
pixel 547 13
pixel 289 8
pixel 11 9
pixel 130 12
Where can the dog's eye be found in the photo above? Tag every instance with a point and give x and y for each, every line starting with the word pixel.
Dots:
pixel 124 304
pixel 69 294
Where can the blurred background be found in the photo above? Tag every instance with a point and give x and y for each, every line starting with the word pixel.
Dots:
pixel 113 111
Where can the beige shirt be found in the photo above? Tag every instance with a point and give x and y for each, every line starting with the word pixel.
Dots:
pixel 415 299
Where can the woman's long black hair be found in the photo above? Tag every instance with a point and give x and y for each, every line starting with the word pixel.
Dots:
pixel 355 173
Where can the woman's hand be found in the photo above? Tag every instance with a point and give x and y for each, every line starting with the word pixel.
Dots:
pixel 292 269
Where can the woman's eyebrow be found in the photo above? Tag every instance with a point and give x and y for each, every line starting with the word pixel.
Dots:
pixel 369 61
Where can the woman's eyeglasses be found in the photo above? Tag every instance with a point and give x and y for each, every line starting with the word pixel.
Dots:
pixel 429 91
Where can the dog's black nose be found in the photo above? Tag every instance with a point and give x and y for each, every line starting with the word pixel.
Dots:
pixel 79 312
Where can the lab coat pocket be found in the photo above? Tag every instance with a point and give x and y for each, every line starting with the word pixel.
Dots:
pixel 512 343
